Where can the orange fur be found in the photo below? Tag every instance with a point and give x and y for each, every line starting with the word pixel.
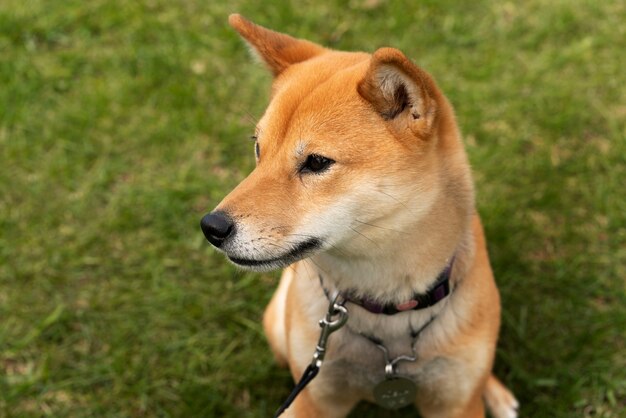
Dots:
pixel 389 213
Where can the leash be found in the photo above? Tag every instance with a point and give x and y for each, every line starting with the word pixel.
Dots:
pixel 335 318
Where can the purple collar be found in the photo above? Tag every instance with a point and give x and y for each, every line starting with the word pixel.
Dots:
pixel 437 292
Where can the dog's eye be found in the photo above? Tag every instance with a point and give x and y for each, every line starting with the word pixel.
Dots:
pixel 315 164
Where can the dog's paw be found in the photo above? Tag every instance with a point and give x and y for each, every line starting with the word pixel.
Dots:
pixel 499 400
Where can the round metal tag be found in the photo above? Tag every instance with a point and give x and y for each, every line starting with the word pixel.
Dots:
pixel 395 393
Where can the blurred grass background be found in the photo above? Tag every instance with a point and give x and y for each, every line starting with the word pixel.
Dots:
pixel 123 122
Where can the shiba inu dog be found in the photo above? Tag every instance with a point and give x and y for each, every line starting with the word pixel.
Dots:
pixel 363 189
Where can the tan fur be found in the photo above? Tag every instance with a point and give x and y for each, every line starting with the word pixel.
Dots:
pixel 390 213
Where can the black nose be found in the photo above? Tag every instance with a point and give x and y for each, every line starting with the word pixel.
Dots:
pixel 217 226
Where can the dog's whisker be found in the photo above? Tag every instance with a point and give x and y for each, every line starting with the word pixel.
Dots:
pixel 306 266
pixel 366 237
pixel 381 227
pixel 399 201
pixel 394 198
pixel 310 260
pixel 339 250
pixel 249 116
pixel 278 246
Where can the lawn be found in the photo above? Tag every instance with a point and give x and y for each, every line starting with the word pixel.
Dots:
pixel 123 122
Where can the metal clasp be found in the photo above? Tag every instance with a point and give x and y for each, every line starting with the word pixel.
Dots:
pixel 335 318
pixel 390 364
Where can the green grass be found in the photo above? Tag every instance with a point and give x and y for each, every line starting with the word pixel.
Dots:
pixel 121 123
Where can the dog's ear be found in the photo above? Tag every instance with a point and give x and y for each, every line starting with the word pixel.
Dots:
pixel 400 91
pixel 277 50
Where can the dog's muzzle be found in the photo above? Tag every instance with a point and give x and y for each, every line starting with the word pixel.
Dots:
pixel 217 227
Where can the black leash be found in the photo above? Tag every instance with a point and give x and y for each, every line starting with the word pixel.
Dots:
pixel 328 325
pixel 310 372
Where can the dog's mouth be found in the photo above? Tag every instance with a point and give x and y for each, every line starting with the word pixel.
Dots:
pixel 297 253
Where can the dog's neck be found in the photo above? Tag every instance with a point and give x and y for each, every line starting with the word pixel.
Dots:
pixel 400 266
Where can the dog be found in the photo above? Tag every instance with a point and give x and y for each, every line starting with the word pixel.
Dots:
pixel 363 189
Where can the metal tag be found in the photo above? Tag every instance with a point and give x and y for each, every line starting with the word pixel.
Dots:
pixel 395 393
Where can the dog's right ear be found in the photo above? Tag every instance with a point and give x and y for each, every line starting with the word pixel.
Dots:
pixel 277 50
pixel 400 92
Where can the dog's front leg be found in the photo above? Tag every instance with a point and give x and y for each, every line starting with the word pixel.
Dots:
pixel 302 407
pixel 317 402
pixel 474 409
pixel 442 407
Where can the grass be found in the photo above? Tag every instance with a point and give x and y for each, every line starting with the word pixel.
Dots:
pixel 121 123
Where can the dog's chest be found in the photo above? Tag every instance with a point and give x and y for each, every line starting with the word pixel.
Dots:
pixel 357 357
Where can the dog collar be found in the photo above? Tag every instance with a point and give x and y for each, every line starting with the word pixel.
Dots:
pixel 436 293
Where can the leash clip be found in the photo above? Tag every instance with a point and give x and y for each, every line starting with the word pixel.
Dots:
pixel 335 318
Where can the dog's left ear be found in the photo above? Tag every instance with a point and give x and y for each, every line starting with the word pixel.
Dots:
pixel 400 91
pixel 277 50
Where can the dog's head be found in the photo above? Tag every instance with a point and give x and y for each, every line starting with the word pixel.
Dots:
pixel 350 150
